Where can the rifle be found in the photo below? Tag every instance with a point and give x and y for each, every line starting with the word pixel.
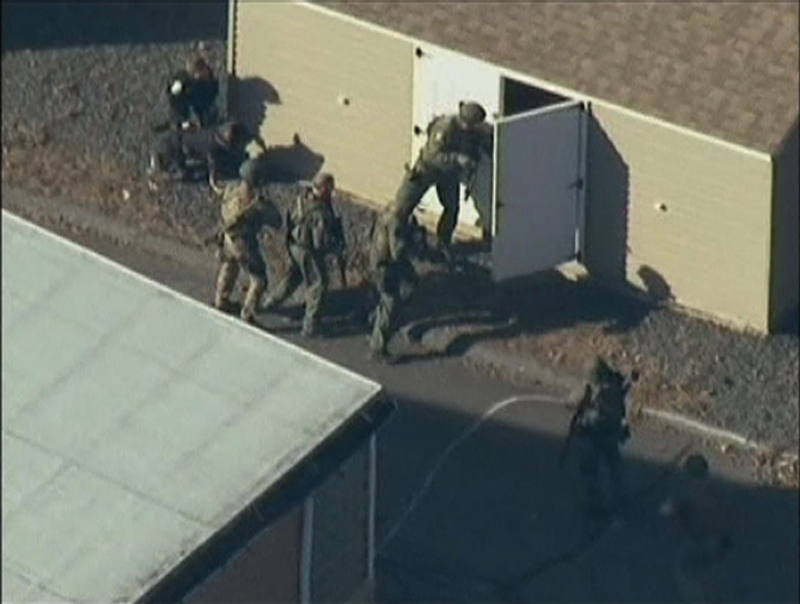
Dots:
pixel 573 421
pixel 587 397
pixel 341 246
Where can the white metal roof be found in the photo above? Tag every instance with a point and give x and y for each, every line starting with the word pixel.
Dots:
pixel 135 421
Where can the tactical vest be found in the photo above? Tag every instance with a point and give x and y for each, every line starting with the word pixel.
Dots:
pixel 237 205
pixel 308 223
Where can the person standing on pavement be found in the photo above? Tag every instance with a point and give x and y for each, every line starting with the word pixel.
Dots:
pixel 601 427
pixel 312 232
pixel 450 156
pixel 392 274
pixel 700 519
pixel 243 215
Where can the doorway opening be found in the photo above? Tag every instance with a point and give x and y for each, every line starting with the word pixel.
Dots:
pixel 518 97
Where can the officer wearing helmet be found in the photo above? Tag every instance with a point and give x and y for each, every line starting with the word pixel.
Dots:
pixel 313 231
pixel 243 215
pixel 600 429
pixel 450 156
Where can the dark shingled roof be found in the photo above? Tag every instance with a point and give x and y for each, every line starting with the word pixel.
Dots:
pixel 724 69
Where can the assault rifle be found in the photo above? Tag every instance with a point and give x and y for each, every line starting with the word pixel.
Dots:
pixel 582 405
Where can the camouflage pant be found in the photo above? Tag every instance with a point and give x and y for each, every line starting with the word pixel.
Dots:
pixel 415 185
pixel 310 269
pixel 395 283
pixel 236 253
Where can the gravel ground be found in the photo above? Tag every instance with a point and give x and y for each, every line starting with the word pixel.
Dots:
pixel 76 126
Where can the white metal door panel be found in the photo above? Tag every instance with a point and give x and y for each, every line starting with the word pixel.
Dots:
pixel 539 166
pixel 442 79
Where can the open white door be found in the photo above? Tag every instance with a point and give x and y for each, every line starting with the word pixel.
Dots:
pixel 442 79
pixel 539 168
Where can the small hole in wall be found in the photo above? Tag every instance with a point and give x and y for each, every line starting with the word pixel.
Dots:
pixel 418 52
pixel 344 101
pixel 661 207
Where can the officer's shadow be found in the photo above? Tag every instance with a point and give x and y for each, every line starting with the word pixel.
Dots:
pixel 451 312
pixel 345 312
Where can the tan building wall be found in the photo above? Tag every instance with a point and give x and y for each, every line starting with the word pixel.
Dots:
pixel 689 216
pixel 313 62
pixel 785 252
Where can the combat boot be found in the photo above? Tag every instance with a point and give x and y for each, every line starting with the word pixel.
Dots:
pixel 380 355
pixel 310 329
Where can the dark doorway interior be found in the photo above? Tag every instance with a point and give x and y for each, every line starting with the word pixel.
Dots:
pixel 519 97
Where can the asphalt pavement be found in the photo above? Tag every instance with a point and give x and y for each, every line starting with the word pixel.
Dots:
pixel 471 503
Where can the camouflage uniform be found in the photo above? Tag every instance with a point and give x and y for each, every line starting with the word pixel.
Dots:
pixel 312 234
pixel 243 217
pixel 601 428
pixel 699 517
pixel 450 156
pixel 392 274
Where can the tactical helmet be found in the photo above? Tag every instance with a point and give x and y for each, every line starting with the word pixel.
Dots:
pixel 322 180
pixel 601 372
pixel 695 466
pixel 470 112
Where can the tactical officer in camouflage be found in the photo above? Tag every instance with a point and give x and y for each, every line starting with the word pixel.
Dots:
pixel 391 273
pixel 600 428
pixel 312 232
pixel 243 215
pixel 450 156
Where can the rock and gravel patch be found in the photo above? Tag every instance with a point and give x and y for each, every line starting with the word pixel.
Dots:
pixel 76 126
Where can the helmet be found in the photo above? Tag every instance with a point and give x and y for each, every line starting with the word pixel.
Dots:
pixel 470 112
pixel 323 179
pixel 601 372
pixel 695 466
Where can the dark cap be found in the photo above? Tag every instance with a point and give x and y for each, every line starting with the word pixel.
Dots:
pixel 323 179
pixel 471 112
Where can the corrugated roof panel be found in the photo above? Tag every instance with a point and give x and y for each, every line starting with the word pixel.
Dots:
pixel 136 422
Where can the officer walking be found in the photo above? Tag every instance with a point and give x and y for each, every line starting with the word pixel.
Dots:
pixel 600 428
pixel 392 275
pixel 312 232
pixel 243 215
pixel 450 156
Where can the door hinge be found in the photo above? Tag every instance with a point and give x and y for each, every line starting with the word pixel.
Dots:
pixel 578 184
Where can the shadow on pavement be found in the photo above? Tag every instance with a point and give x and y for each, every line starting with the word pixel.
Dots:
pixel 41 25
pixel 539 304
pixel 498 509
